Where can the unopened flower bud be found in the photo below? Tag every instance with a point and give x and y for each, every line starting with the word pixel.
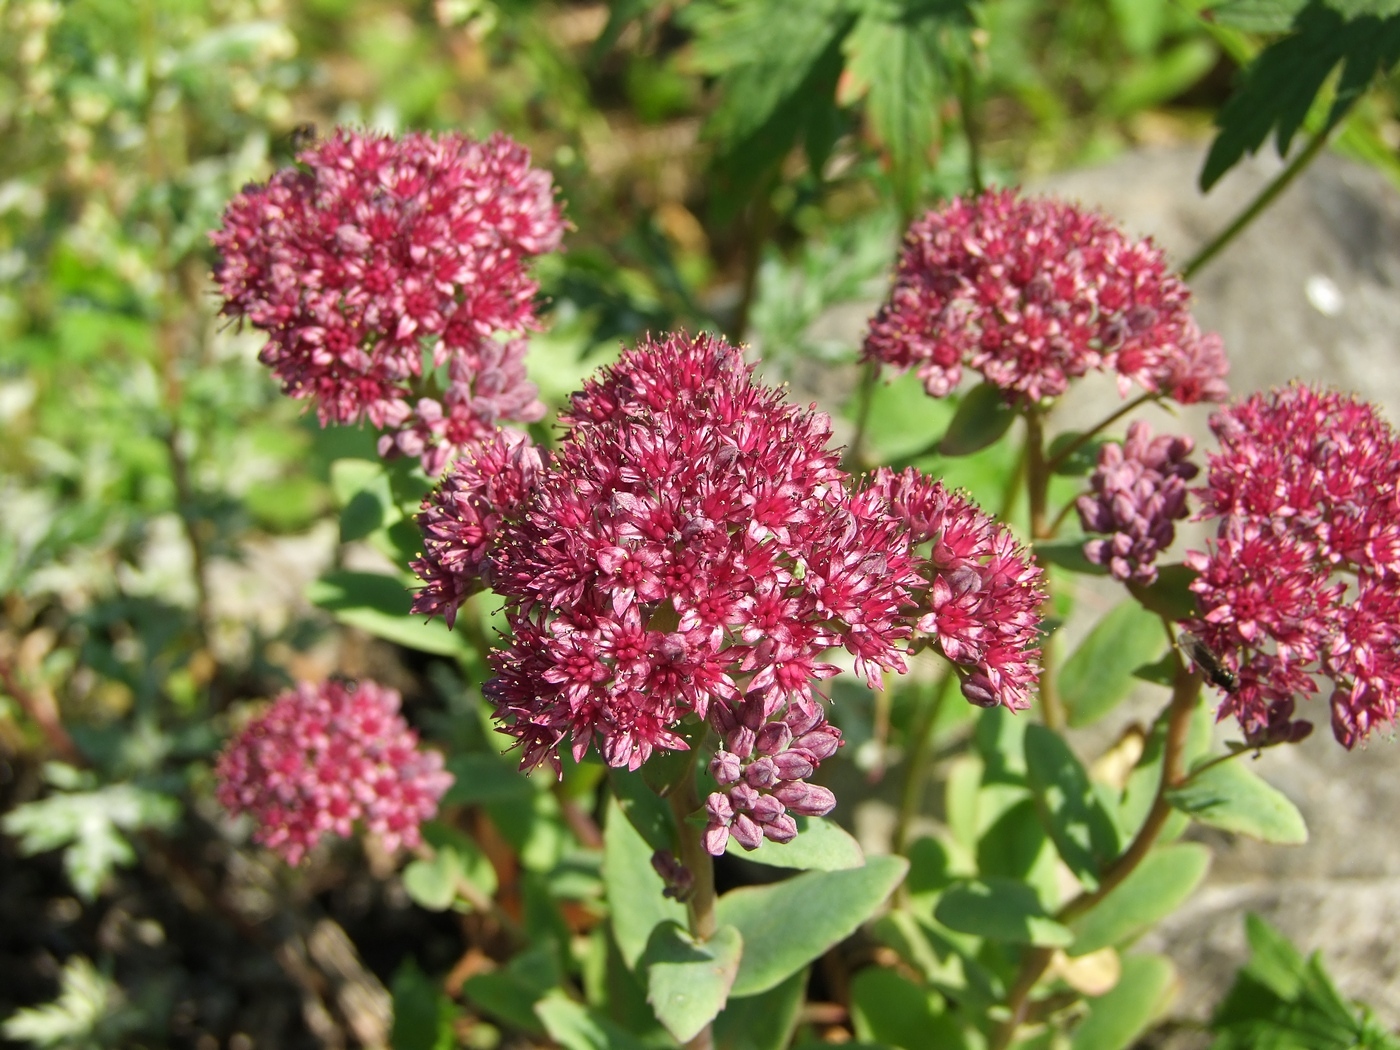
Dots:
pixel 726 768
pixel 746 832
pixel 809 800
pixel 780 829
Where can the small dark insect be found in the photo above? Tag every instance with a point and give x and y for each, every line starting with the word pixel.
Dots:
pixel 1216 673
pixel 303 136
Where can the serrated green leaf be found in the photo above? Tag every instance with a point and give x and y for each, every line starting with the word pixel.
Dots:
pixel 1257 16
pixel 1099 673
pixel 762 1022
pixel 821 845
pixel 899 56
pixel 380 605
pixel 983 416
pixel 1159 885
pixel 635 892
pixel 1116 1018
pixel 1083 832
pixel 770 97
pixel 1278 88
pixel 688 982
pixel 1000 910
pixel 1230 797
pixel 788 924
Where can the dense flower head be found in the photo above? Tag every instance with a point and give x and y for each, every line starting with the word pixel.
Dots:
pixel 690 553
pixel 1033 292
pixel 324 757
pixel 1138 493
pixel 980 596
pixel 377 257
pixel 1302 581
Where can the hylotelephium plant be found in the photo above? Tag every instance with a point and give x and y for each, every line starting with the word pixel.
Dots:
pixel 687 562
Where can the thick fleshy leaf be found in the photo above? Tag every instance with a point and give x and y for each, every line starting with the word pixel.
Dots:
pixel 983 416
pixel 788 924
pixel 1119 1016
pixel 1000 910
pixel 762 1022
pixel 1082 460
pixel 890 1009
pixel 432 884
pixel 635 892
pixel 479 779
pixel 380 605
pixel 575 1027
pixel 1146 777
pixel 362 491
pixel 1099 673
pixel 1157 887
pixel 1233 798
pixel 821 845
pixel 1082 830
pixel 688 982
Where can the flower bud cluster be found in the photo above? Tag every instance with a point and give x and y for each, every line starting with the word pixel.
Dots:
pixel 323 757
pixel 1138 494
pixel 762 769
pixel 1034 292
pixel 377 258
pixel 1302 580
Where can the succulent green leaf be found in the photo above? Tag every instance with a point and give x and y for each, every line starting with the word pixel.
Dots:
pixel 688 981
pixel 1099 673
pixel 787 924
pixel 762 1022
pixel 1118 1017
pixel 1000 909
pixel 1157 887
pixel 1233 798
pixel 381 606
pixel 821 845
pixel 1083 831
pixel 635 892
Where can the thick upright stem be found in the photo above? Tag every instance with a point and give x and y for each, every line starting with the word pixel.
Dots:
pixel 1037 491
pixel 1186 688
pixel 700 906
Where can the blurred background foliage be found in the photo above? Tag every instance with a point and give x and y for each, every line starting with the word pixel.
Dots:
pixel 744 165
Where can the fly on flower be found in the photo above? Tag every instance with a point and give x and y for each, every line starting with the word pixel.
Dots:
pixel 1210 665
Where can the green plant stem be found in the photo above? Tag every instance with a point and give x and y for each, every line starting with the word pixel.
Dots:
pixel 700 905
pixel 1186 688
pixel 865 398
pixel 967 104
pixel 1277 185
pixel 1083 439
pixel 920 756
pixel 1037 474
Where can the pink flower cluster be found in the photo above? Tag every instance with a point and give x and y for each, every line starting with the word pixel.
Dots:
pixel 1302 580
pixel 379 258
pixel 325 756
pixel 1138 494
pixel 980 595
pixel 1034 292
pixel 693 550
